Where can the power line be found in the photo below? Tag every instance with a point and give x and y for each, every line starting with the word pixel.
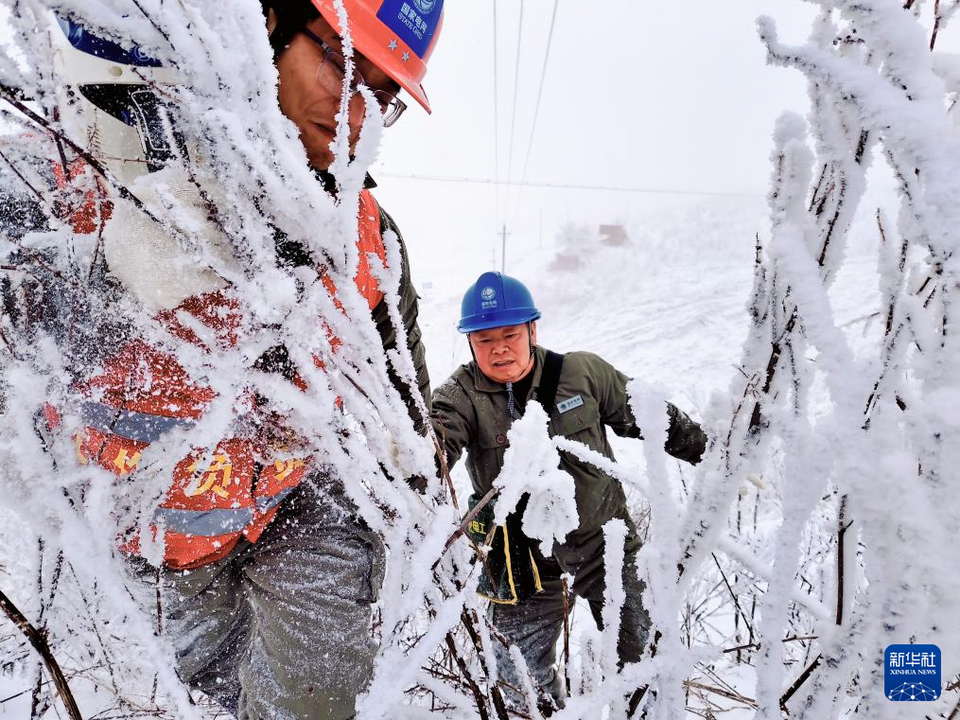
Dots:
pixel 567 186
pixel 496 113
pixel 516 85
pixel 536 112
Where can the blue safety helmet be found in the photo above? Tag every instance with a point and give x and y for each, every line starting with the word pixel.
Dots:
pixel 496 300
pixel 86 42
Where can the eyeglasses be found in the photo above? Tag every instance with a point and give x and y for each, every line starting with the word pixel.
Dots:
pixel 391 107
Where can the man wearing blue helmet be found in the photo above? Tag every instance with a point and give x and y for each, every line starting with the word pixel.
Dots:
pixel 583 395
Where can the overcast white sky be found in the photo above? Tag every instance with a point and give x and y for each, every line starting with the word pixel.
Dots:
pixel 672 95
pixel 668 96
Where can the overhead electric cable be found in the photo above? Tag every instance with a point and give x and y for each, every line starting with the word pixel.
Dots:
pixel 536 111
pixel 496 114
pixel 516 85
pixel 568 186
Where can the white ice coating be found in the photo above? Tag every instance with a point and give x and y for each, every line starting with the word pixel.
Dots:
pixel 857 435
pixel 531 465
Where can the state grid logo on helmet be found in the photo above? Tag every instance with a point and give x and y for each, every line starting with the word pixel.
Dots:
pixel 412 20
pixel 489 295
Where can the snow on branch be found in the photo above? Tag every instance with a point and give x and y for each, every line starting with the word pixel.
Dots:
pixel 100 257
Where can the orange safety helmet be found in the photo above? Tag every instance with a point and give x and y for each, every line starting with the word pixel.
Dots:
pixel 398 36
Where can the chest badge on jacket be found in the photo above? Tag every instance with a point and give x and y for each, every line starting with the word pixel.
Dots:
pixel 574 402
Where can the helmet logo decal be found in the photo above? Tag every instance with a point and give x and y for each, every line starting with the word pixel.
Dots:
pixel 489 298
pixel 414 21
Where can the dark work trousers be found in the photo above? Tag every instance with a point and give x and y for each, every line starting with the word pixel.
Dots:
pixel 280 628
pixel 536 624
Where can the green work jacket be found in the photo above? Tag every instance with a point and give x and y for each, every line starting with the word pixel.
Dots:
pixel 409 310
pixel 470 413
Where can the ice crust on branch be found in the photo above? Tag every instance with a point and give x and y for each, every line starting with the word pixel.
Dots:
pixel 531 466
pixel 209 220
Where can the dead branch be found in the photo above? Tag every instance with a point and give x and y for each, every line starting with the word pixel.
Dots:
pixel 444 467
pixel 733 596
pixel 153 23
pixel 721 692
pixel 39 643
pixel 469 622
pixel 23 179
pixel 465 523
pixel 841 533
pixel 955 713
pixel 566 631
pixel 10 96
pixel 41 619
pixel 804 676
pixel 465 671
pixel 816 189
pixel 775 351
pixel 738 648
pixel 936 24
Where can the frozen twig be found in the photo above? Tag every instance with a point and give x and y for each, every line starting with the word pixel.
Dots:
pixel 798 683
pixel 737 697
pixel 842 527
pixel 11 97
pixel 465 523
pixel 465 672
pixel 39 643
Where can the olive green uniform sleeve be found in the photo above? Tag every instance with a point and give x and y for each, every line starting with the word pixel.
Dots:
pixel 453 418
pixel 409 310
pixel 686 440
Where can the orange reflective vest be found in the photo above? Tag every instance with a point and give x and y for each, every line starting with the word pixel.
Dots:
pixel 219 493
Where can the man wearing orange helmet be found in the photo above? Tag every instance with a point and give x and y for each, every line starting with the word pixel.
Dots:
pixel 280 627
pixel 271 573
pixel 393 40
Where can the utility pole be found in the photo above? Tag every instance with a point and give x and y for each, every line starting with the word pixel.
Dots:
pixel 503 249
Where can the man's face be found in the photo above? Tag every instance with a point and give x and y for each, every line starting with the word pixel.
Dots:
pixel 310 95
pixel 503 354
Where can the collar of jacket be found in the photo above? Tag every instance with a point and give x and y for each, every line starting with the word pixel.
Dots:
pixel 484 384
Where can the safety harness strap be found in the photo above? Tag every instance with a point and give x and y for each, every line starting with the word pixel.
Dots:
pixel 511 574
pixel 549 380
